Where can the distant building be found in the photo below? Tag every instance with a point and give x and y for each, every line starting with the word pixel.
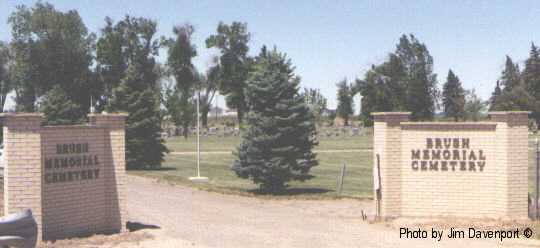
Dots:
pixel 215 111
pixel 328 112
pixel 230 113
pixel 219 112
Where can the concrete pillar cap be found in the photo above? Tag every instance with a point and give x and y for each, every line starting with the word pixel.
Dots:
pixel 11 115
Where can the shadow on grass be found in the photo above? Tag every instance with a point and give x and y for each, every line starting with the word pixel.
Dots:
pixel 136 226
pixel 291 191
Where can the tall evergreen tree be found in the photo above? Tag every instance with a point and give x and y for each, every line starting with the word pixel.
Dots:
pixel 51 48
pixel 514 94
pixel 517 99
pixel 232 41
pixel 181 52
pixel 531 78
pixel 138 91
pixel 345 107
pixel 453 97
pixel 495 96
pixel 277 145
pixel 144 145
pixel 511 75
pixel 531 73
pixel 58 108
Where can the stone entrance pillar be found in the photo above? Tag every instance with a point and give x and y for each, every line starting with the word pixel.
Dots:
pixel 115 140
pixel 84 192
pixel 22 161
pixel 513 152
pixel 387 144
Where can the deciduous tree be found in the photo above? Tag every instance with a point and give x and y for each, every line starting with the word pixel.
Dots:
pixel 405 82
pixel 474 106
pixel 315 101
pixel 6 65
pixel 232 41
pixel 181 52
pixel 421 83
pixel 382 89
pixel 345 107
pixel 207 85
pixel 51 48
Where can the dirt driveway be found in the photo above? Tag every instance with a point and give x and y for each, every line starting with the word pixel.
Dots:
pixel 188 217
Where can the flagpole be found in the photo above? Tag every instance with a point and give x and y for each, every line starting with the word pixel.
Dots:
pixel 198 137
pixel 198 178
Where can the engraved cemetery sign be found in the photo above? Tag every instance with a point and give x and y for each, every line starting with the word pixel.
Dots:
pixel 448 154
pixel 472 169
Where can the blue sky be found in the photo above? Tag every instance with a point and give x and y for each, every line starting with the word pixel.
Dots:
pixel 331 40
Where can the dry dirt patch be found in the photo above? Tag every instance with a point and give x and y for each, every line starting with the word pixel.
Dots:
pixel 138 239
pixel 113 240
pixel 187 217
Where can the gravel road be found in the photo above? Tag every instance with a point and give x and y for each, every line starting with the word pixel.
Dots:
pixel 188 217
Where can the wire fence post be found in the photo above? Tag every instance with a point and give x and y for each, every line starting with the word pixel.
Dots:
pixel 536 209
pixel 340 180
pixel 378 187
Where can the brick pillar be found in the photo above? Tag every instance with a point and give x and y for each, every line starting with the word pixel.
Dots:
pixel 22 164
pixel 387 143
pixel 115 168
pixel 512 133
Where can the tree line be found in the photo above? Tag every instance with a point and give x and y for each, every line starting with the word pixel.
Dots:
pixel 519 89
pixel 55 65
pixel 405 81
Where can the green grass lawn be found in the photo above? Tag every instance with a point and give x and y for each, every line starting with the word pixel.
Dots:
pixel 357 183
pixel 213 143
pixel 358 180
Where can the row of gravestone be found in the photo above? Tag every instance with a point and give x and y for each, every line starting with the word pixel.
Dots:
pixel 229 131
